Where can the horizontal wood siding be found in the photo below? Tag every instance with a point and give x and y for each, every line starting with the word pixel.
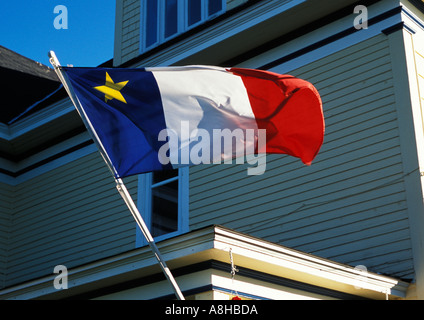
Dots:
pixel 71 215
pixel 130 46
pixel 6 203
pixel 349 205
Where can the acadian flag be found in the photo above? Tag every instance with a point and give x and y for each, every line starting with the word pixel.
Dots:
pixel 128 109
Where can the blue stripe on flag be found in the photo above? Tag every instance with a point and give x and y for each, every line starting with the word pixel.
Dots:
pixel 128 131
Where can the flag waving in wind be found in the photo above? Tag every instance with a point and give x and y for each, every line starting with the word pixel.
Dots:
pixel 129 109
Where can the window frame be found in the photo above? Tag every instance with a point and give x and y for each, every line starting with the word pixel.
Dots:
pixel 144 198
pixel 143 16
pixel 162 19
pixel 182 23
pixel 203 15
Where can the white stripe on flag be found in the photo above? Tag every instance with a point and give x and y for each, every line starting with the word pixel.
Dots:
pixel 203 99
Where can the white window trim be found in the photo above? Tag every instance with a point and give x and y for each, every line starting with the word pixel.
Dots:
pixel 144 198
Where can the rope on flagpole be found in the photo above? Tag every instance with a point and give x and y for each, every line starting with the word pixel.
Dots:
pixel 233 272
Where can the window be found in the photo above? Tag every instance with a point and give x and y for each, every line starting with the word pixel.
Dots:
pixel 171 18
pixel 163 203
pixel 164 19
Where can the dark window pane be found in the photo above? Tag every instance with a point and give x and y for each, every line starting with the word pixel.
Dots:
pixel 159 176
pixel 151 22
pixel 164 203
pixel 214 6
pixel 194 11
pixel 171 17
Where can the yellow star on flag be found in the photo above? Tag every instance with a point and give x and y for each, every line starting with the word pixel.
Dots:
pixel 112 89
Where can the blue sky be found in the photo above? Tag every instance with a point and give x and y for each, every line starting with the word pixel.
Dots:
pixel 27 27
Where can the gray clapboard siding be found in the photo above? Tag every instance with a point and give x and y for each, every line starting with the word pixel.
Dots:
pixel 273 176
pixel 6 206
pixel 70 215
pixel 350 205
pixel 48 196
pixel 130 46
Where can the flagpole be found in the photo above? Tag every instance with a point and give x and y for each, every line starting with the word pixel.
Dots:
pixel 119 183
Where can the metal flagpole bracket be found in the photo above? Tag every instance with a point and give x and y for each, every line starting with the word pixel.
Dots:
pixel 119 183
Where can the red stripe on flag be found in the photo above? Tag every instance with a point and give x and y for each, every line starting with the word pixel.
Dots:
pixel 290 110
